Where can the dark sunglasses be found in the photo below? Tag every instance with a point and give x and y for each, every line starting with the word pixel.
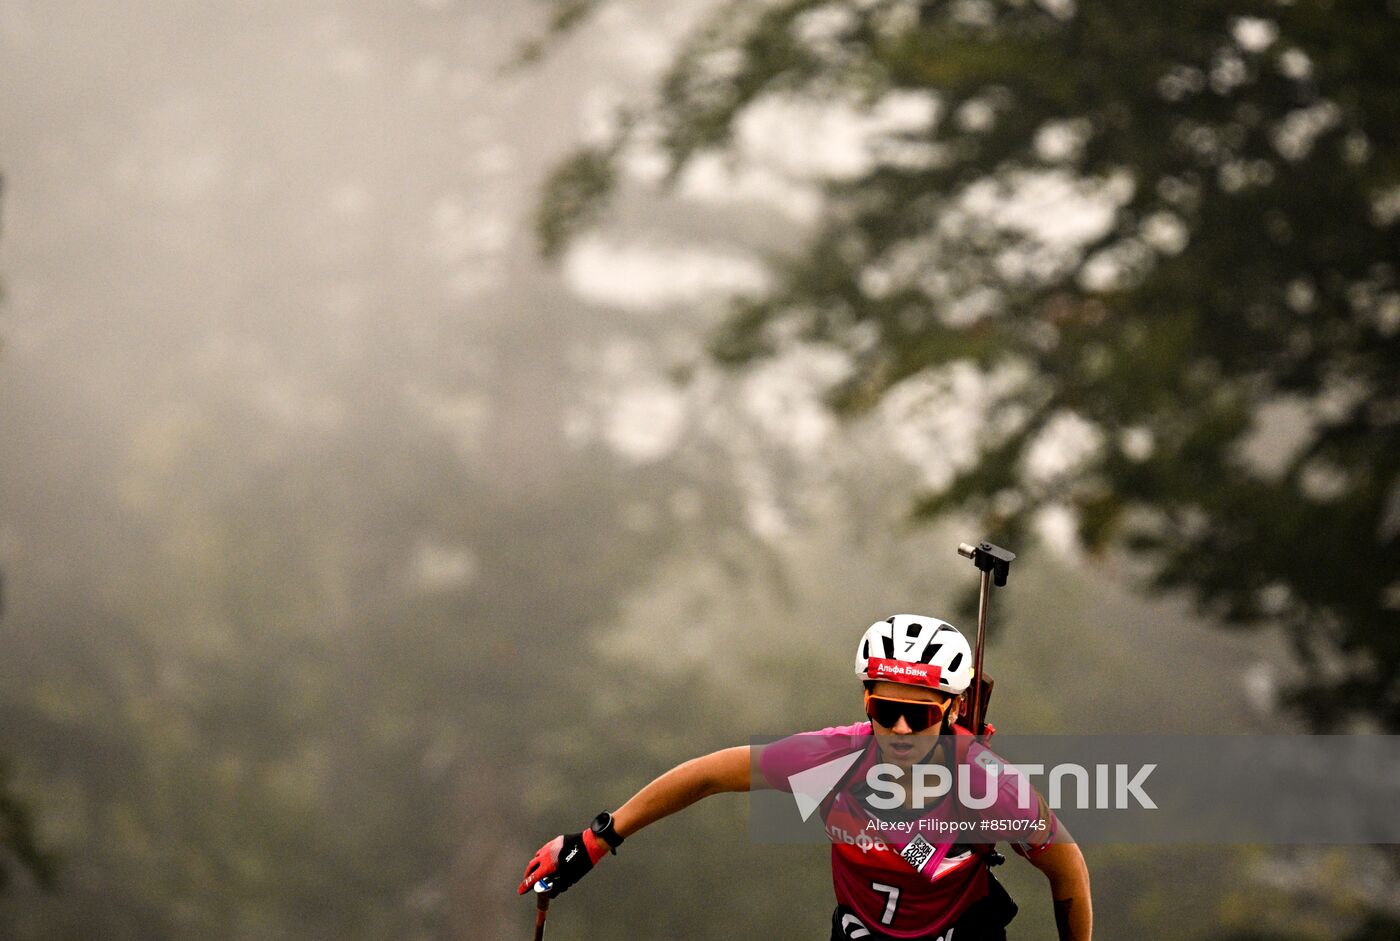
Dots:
pixel 920 715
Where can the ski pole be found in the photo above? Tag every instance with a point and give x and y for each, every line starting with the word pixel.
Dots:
pixel 541 906
pixel 994 563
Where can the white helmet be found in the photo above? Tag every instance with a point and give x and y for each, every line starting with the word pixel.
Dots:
pixel 921 651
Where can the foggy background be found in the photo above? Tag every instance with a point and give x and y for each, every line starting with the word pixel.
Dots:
pixel 350 551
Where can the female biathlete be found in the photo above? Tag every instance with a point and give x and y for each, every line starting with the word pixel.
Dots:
pixel 916 671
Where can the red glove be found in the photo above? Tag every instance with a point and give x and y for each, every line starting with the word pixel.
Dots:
pixel 564 860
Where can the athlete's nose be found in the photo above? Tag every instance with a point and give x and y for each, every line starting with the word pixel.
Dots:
pixel 901 727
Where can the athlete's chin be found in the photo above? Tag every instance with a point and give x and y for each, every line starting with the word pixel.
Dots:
pixel 903 754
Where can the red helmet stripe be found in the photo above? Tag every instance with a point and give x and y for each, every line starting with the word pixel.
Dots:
pixel 902 671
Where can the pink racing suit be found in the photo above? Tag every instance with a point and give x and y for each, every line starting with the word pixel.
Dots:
pixel 904 873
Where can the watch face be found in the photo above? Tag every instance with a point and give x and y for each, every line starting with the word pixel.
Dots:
pixel 602 825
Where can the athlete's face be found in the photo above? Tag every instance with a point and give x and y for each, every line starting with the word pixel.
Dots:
pixel 899 743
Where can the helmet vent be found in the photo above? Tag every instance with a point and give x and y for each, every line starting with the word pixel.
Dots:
pixel 930 652
pixel 952 667
pixel 889 647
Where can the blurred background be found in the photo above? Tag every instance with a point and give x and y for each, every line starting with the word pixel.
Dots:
pixel 421 423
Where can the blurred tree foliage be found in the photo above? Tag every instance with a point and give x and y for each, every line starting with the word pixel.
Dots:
pixel 1221 349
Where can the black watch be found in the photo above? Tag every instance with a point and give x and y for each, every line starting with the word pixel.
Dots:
pixel 602 827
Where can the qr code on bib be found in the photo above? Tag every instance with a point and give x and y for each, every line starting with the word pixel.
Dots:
pixel 917 853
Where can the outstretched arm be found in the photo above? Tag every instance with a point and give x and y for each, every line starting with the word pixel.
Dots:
pixel 567 858
pixel 683 785
pixel 1063 864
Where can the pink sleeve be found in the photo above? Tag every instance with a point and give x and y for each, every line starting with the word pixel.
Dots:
pixel 1017 800
pixel 780 760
